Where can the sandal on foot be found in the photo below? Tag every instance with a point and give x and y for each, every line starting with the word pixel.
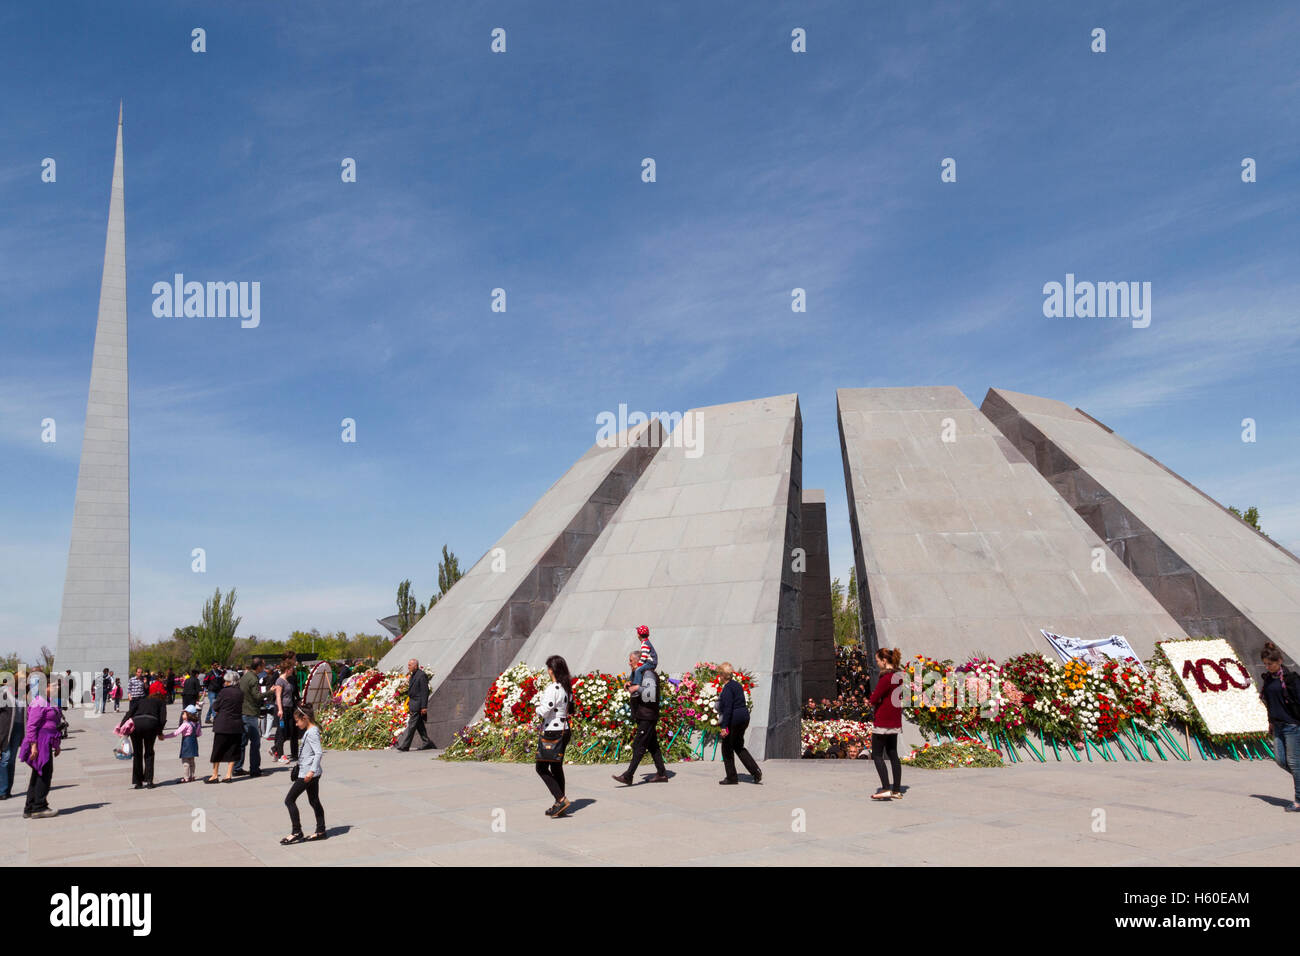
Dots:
pixel 314 837
pixel 291 840
pixel 882 796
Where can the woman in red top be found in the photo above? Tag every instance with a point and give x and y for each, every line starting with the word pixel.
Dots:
pixel 887 722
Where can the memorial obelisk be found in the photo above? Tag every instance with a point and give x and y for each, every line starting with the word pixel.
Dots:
pixel 95 624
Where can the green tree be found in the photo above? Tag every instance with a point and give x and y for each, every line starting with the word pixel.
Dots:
pixel 844 610
pixel 325 646
pixel 11 662
pixel 361 646
pixel 1251 517
pixel 215 637
pixel 159 657
pixel 449 573
pixel 407 613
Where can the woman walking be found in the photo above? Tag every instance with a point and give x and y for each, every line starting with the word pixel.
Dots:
pixel 39 748
pixel 148 723
pixel 887 723
pixel 227 727
pixel 286 702
pixel 553 707
pixel 1280 692
pixel 308 782
pixel 733 718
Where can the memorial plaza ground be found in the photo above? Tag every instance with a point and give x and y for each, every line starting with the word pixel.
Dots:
pixel 388 808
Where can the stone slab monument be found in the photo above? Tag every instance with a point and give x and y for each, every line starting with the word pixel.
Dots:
pixel 476 629
pixel 95 621
pixel 962 547
pixel 701 552
pixel 1210 570
pixel 817 628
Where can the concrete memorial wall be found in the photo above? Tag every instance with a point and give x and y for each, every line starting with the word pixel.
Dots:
pixel 475 631
pixel 701 552
pixel 1211 571
pixel 962 547
pixel 817 627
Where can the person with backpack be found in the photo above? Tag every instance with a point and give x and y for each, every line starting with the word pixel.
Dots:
pixel 1280 692
pixel 286 700
pixel 645 711
pixel 554 704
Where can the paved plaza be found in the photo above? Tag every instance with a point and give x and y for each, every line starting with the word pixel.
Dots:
pixel 387 808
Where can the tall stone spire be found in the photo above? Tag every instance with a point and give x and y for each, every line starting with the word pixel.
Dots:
pixel 95 624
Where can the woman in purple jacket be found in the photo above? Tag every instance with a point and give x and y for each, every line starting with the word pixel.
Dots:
pixel 39 748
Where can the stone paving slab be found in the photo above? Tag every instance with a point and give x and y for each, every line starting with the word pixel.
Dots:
pixel 391 809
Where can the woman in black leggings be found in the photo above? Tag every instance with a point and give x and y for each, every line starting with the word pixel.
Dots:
pixel 887 723
pixel 149 720
pixel 553 707
pixel 308 779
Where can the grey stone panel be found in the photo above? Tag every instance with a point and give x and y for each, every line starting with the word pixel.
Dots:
pixel 1212 572
pixel 473 633
pixel 95 620
pixel 702 553
pixel 961 546
pixel 817 638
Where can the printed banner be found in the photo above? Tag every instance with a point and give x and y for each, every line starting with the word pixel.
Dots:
pixel 1113 648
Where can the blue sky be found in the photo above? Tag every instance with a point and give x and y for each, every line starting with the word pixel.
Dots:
pixel 522 171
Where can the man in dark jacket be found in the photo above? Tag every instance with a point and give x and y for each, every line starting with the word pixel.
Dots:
pixel 190 690
pixel 645 711
pixel 250 685
pixel 13 725
pixel 418 702
pixel 1280 692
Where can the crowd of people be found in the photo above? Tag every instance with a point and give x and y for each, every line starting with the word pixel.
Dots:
pixel 852 688
pixel 243 709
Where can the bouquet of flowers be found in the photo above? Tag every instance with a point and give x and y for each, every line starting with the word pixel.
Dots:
pixel 601 718
pixel 964 752
pixel 835 738
pixel 367 712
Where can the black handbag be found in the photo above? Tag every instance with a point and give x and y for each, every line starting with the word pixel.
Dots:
pixel 551 749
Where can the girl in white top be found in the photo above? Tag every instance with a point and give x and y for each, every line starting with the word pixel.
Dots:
pixel 308 781
pixel 553 706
